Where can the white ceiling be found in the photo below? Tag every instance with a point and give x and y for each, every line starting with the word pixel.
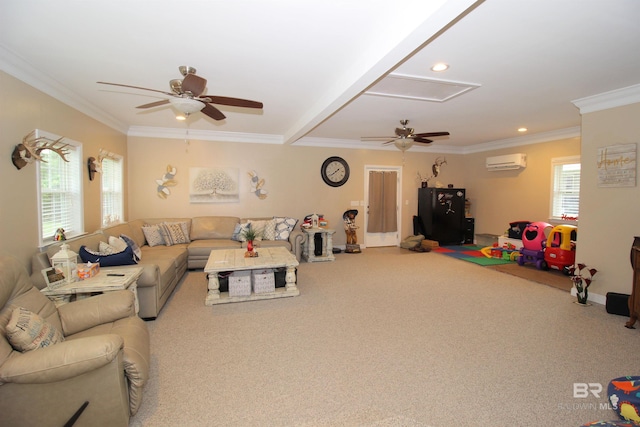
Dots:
pixel 310 62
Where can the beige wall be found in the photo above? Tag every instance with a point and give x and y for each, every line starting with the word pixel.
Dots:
pixel 291 174
pixel 609 217
pixel 23 109
pixel 500 197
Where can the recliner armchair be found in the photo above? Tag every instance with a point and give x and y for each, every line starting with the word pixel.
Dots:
pixel 103 360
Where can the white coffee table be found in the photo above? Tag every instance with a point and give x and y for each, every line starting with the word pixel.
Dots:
pixel 107 280
pixel 234 260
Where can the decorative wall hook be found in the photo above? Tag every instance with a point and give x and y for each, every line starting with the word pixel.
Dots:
pixel 92 165
pixel 31 147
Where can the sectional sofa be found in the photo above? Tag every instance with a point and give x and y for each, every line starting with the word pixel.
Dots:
pixel 168 247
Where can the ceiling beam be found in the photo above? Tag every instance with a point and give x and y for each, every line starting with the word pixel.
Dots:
pixel 375 63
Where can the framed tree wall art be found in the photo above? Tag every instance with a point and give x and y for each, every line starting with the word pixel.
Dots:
pixel 214 185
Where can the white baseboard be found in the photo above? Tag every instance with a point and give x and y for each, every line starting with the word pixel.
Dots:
pixel 598 299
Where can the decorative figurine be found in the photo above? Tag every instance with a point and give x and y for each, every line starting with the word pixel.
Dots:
pixel 350 228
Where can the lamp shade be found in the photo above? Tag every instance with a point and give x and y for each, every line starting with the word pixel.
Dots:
pixel 403 144
pixel 187 105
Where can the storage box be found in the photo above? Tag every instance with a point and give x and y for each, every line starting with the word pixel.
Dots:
pixel 223 281
pixel 88 270
pixel 617 304
pixel 263 281
pixel 240 284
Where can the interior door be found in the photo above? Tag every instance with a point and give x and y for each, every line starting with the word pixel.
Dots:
pixel 382 225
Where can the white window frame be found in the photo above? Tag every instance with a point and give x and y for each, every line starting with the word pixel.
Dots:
pixel 111 188
pixel 72 216
pixel 555 217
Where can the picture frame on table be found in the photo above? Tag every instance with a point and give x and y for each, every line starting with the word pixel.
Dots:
pixel 53 278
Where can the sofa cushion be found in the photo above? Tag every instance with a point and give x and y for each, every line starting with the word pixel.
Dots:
pixel 123 258
pixel 213 227
pixel 28 331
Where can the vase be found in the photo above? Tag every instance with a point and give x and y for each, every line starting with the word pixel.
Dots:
pixel 250 245
pixel 424 184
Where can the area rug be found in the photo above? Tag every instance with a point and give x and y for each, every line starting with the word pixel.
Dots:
pixel 470 253
pixel 554 278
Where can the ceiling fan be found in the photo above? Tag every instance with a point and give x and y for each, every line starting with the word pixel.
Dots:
pixel 187 96
pixel 405 137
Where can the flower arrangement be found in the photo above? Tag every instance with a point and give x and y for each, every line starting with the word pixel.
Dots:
pixel 581 276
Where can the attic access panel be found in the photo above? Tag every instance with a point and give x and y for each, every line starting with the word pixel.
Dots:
pixel 419 88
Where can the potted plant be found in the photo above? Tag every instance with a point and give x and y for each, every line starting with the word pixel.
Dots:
pixel 249 234
pixel 581 276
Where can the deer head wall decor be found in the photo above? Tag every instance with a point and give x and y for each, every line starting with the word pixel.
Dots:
pixel 29 150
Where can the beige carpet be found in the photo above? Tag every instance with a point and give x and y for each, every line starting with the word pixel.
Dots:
pixel 385 338
pixel 550 277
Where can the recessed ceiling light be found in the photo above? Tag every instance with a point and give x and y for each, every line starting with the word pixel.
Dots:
pixel 522 129
pixel 441 66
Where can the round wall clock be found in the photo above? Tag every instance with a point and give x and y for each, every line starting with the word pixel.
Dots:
pixel 335 171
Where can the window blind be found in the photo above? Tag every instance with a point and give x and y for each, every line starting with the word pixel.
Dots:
pixel 566 189
pixel 60 193
pixel 112 195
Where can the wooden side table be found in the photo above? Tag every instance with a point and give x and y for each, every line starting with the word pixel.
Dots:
pixel 309 248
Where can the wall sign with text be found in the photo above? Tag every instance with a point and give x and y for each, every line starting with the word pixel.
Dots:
pixel 617 166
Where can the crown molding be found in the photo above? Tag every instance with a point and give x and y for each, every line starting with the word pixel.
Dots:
pixel 204 135
pixel 17 67
pixel 604 101
pixel 538 138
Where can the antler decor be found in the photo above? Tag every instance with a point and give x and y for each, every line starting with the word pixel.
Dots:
pixel 29 150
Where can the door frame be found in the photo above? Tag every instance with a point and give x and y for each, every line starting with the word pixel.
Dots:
pixel 372 239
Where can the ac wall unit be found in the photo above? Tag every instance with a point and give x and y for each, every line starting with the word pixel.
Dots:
pixel 507 162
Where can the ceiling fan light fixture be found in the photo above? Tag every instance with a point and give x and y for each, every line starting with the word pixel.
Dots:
pixel 187 105
pixel 403 144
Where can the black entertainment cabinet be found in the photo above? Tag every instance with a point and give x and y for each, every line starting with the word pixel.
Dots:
pixel 441 212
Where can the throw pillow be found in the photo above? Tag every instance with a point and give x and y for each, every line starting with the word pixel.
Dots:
pixel 28 331
pixel 107 249
pixel 152 234
pixel 266 229
pixel 284 227
pixel 122 258
pixel 174 233
pixel 119 244
pixel 137 252
pixel 238 232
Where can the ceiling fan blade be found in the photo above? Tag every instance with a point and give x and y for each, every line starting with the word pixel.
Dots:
pixel 428 134
pixel 213 112
pixel 422 140
pixel 137 87
pixel 363 138
pixel 194 84
pixel 390 141
pixel 235 102
pixel 154 104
